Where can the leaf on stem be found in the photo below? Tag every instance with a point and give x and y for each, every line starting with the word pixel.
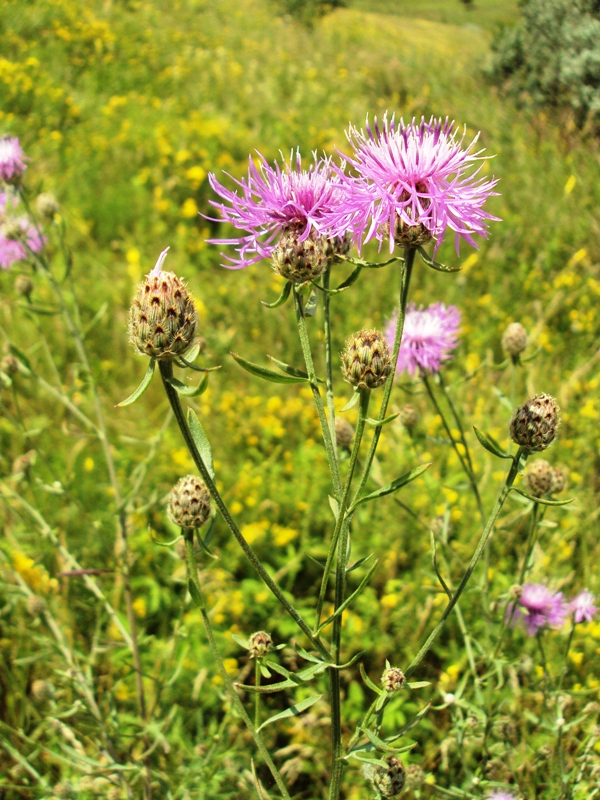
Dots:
pixel 310 307
pixel 352 278
pixel 349 600
pixel 141 388
pixel 289 370
pixel 414 721
pixel 434 264
pixel 490 444
pixel 195 594
pixel 379 422
pixel 369 682
pixel 201 441
pixel 266 374
pixel 334 506
pixel 541 500
pixel 378 743
pixel 358 563
pixel 188 391
pixel 293 711
pixel 352 402
pixel 282 297
pixel 393 486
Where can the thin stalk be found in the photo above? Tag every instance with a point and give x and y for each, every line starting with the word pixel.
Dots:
pixel 328 439
pixel 192 572
pixel 166 371
pixel 512 474
pixel 256 694
pixel 342 532
pixel 328 357
pixel 405 276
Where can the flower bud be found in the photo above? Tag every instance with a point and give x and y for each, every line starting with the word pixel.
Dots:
pixel 415 776
pixel 338 246
pixel 536 422
pixel 300 261
pixel 409 416
pixel 65 790
pixel 260 643
pixel 13 230
pixel 42 691
pixel 189 503
pixel 344 433
pixel 515 591
pixel 35 605
pixel 559 480
pixel 162 318
pixel 390 782
pixel 392 679
pixel 514 340
pixel 47 206
pixel 9 365
pixel 537 478
pixel 23 286
pixel 366 361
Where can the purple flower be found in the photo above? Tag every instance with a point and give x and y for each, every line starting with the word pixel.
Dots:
pixel 23 237
pixel 428 337
pixel 540 606
pixel 498 794
pixel 582 607
pixel 12 160
pixel 272 200
pixel 417 176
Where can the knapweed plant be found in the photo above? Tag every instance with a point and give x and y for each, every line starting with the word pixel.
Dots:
pixel 406 186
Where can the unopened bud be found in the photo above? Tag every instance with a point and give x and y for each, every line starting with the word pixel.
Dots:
pixel 162 318
pixel 42 691
pixel 535 423
pixel 514 340
pixel 409 416
pixel 9 365
pixel 559 480
pixel 189 503
pixel 23 285
pixel 344 433
pixel 366 361
pixel 47 206
pixel 393 679
pixel 515 591
pixel 390 781
pixel 415 776
pixel 537 477
pixel 260 643
pixel 12 230
pixel 300 261
pixel 338 246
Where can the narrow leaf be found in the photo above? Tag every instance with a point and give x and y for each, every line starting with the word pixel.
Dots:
pixel 379 422
pixel 369 682
pixel 269 688
pixel 349 600
pixel 490 444
pixel 310 307
pixel 374 761
pixel 293 711
pixel 295 373
pixel 309 656
pixel 264 373
pixel 377 742
pixel 358 563
pixel 242 642
pixel 352 278
pixel 418 684
pixel 196 596
pixel 201 441
pixel 541 500
pixel 189 391
pixel 352 402
pixel 282 297
pixel 434 264
pixel 414 721
pixel 393 486
pixel 334 506
pixel 141 388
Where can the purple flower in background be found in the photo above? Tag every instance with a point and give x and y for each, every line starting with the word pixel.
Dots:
pixel 412 183
pixel 12 160
pixel 17 235
pixel 582 607
pixel 428 337
pixel 540 606
pixel 498 794
pixel 274 199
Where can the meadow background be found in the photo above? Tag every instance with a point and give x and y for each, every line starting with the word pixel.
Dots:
pixel 123 109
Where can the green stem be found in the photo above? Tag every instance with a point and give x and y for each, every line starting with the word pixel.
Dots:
pixel 192 572
pixel 256 694
pixel 166 371
pixel 328 357
pixel 328 438
pixel 512 474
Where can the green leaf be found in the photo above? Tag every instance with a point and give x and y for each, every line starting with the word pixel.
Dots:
pixel 295 373
pixel 393 486
pixel 196 596
pixel 334 506
pixel 293 711
pixel 269 688
pixel 242 642
pixel 378 743
pixel 370 264
pixel 141 388
pixel 188 391
pixel 352 402
pixel 434 264
pixel 369 682
pixel 44 311
pixel 352 278
pixel 379 422
pixel 490 444
pixel 414 721
pixel 418 684
pixel 282 297
pixel 374 761
pixel 310 307
pixel 21 356
pixel 266 374
pixel 349 600
pixel 358 563
pixel 309 656
pixel 201 441
pixel 541 500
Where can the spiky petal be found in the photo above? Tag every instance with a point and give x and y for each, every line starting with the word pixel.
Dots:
pixel 429 336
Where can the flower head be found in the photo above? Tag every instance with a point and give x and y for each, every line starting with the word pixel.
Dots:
pixel 582 607
pixel 274 200
pixel 536 423
pixel 411 183
pixel 498 794
pixel 539 606
pixel 12 160
pixel 18 237
pixel 428 337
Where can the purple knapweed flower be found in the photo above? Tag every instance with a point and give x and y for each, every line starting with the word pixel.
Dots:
pixel 275 199
pixel 12 160
pixel 582 607
pixel 498 794
pixel 539 606
pixel 24 237
pixel 428 337
pixel 411 183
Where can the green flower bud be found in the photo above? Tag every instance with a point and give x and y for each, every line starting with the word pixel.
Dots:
pixel 415 776
pixel 537 478
pixel 47 206
pixel 162 318
pixel 393 679
pixel 9 365
pixel 366 361
pixel 338 246
pixel 300 261
pixel 535 423
pixel 559 480
pixel 344 433
pixel 42 691
pixel 23 286
pixel 409 416
pixel 514 340
pixel 189 503
pixel 260 643
pixel 390 782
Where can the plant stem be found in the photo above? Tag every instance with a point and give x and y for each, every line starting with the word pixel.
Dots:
pixel 256 694
pixel 192 572
pixel 512 474
pixel 328 357
pixel 166 371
